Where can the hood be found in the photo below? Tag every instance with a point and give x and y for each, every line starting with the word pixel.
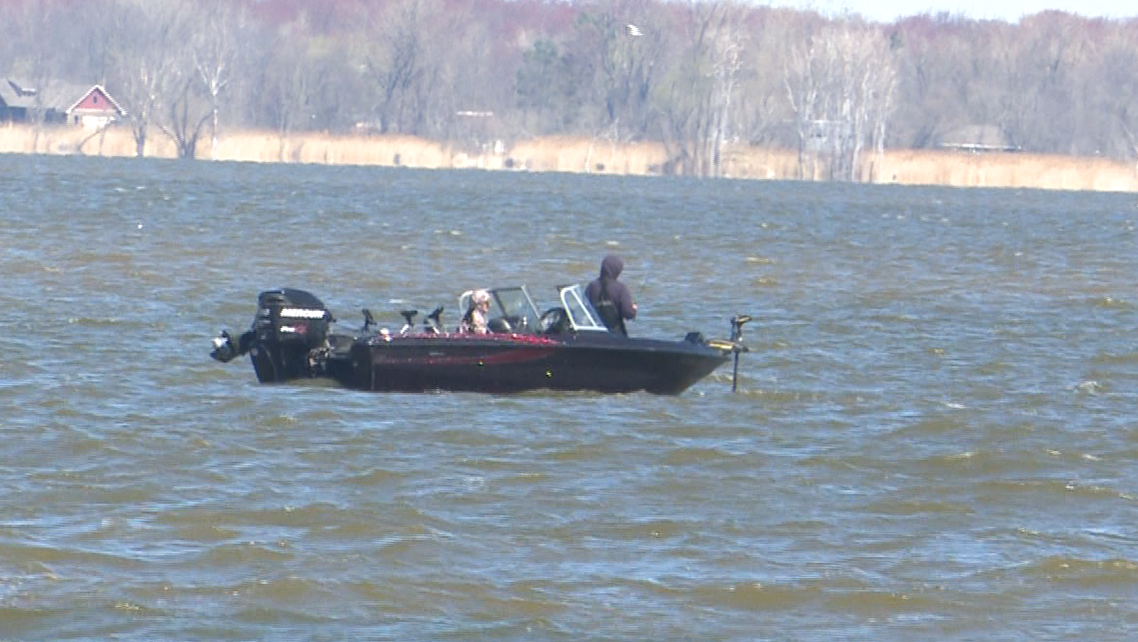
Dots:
pixel 611 267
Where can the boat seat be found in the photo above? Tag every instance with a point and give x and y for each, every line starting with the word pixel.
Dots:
pixel 499 325
pixel 555 321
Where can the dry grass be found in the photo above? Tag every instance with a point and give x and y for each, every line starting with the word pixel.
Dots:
pixel 562 154
pixel 1007 170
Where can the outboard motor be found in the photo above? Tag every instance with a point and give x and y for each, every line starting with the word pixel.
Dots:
pixel 290 326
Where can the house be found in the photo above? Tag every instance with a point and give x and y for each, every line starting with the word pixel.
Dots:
pixel 95 109
pixel 16 101
pixel 58 103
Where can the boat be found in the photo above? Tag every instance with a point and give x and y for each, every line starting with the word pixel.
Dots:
pixel 295 336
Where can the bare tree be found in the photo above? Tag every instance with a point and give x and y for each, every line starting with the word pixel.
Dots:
pixel 1031 73
pixel 840 85
pixel 185 114
pixel 393 62
pixel 616 49
pixel 286 85
pixel 33 63
pixel 184 60
pixel 701 88
pixel 1107 116
pixel 216 50
pixel 759 110
pixel 937 64
pixel 726 49
pixel 153 34
pixel 467 88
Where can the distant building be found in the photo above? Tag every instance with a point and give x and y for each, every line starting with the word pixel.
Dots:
pixel 978 138
pixel 16 101
pixel 89 106
pixel 95 109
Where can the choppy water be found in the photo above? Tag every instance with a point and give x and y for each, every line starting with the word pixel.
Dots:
pixel 935 437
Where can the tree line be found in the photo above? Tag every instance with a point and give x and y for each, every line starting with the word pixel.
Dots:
pixel 695 75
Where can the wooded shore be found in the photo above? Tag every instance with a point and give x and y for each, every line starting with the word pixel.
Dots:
pixel 596 156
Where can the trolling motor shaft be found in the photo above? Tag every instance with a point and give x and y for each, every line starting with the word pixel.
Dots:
pixel 737 322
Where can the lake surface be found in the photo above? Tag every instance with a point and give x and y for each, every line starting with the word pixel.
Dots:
pixel 935 436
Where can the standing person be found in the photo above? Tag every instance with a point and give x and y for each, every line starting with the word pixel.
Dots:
pixel 475 318
pixel 610 297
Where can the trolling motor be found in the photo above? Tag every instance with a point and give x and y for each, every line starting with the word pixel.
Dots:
pixel 734 344
pixel 737 344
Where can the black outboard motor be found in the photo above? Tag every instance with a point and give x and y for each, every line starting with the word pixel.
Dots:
pixel 289 325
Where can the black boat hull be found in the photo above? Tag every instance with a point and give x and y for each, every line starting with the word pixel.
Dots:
pixel 517 363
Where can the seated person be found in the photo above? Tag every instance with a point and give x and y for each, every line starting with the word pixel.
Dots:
pixel 475 318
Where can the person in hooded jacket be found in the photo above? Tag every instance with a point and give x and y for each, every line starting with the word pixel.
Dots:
pixel 610 297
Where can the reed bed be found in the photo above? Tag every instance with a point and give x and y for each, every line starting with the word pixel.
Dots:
pixel 599 156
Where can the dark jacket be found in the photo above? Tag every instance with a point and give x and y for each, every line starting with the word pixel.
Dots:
pixel 610 297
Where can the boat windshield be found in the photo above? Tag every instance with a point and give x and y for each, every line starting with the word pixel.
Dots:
pixel 581 312
pixel 511 309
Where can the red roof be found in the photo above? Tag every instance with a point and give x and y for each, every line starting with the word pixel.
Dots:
pixel 96 100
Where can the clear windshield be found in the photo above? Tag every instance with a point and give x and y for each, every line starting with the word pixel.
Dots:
pixel 582 314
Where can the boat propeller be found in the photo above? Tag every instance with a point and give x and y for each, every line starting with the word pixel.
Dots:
pixel 225 350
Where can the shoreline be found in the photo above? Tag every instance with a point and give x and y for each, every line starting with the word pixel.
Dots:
pixel 591 156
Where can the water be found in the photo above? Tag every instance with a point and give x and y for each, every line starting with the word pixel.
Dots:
pixel 935 435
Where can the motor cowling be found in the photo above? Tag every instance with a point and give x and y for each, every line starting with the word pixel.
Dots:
pixel 289 325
